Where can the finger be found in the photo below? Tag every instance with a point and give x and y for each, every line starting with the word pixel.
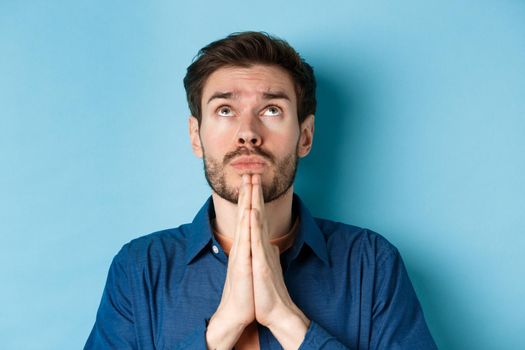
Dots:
pixel 256 229
pixel 241 247
pixel 244 204
pixel 245 193
pixel 258 204
pixel 240 200
pixel 257 200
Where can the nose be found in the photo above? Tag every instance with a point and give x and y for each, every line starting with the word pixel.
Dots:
pixel 248 134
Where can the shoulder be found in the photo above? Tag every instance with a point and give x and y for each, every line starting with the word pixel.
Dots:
pixel 358 241
pixel 157 246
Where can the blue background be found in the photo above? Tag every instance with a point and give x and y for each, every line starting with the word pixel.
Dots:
pixel 419 135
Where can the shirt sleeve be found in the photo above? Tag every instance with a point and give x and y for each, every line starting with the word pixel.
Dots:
pixel 195 340
pixel 114 325
pixel 318 338
pixel 397 318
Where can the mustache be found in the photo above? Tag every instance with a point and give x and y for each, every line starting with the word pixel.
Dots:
pixel 243 151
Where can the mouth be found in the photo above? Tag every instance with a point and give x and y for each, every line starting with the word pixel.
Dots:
pixel 251 164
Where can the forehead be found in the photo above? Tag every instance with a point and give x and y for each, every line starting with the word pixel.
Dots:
pixel 249 81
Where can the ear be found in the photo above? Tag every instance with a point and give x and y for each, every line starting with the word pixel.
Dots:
pixel 306 137
pixel 195 139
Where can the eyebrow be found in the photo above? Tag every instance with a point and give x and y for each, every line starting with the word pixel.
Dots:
pixel 224 95
pixel 276 95
pixel 266 95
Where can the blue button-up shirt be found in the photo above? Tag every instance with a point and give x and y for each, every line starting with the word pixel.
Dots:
pixel 350 282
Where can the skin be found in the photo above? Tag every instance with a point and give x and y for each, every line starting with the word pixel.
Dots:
pixel 250 119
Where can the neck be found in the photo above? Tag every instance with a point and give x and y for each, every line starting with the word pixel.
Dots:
pixel 278 214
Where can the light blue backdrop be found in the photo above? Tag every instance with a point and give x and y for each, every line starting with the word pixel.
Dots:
pixel 420 136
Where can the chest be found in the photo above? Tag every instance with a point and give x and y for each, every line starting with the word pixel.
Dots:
pixel 179 301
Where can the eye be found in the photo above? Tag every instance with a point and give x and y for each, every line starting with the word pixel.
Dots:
pixel 272 111
pixel 224 111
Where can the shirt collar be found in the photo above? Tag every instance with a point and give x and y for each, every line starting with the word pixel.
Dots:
pixel 308 232
pixel 200 230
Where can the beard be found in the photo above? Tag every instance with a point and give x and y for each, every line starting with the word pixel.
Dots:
pixel 284 174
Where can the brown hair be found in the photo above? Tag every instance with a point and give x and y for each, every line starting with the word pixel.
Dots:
pixel 245 49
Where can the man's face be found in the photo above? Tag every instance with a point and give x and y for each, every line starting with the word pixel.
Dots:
pixel 249 125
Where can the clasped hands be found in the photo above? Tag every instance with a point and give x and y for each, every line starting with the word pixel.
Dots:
pixel 254 289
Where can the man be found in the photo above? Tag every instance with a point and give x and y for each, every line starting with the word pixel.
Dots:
pixel 254 269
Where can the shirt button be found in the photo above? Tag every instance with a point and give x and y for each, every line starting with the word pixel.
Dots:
pixel 215 249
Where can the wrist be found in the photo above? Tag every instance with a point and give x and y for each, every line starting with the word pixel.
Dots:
pixel 290 328
pixel 222 333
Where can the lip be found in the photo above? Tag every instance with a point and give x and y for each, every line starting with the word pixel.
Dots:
pixel 248 163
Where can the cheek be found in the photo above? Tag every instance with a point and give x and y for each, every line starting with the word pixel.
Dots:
pixel 283 138
pixel 214 141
